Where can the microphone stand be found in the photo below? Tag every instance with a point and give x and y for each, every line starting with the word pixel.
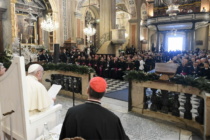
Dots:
pixel 73 85
pixel 20 48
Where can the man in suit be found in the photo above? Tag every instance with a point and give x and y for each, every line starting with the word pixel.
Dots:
pixel 42 56
pixel 91 121
pixel 206 70
pixel 63 56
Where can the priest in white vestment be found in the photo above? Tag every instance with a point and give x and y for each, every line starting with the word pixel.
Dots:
pixel 38 97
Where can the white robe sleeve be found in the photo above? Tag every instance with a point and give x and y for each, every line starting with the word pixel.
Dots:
pixel 38 98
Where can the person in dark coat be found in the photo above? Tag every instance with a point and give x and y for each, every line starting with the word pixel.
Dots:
pixel 114 64
pixel 107 68
pixel 42 56
pixel 91 121
pixel 63 56
pixel 206 71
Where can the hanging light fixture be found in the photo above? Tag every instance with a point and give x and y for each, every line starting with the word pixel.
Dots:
pixel 173 8
pixel 48 24
pixel 174 31
pixel 89 30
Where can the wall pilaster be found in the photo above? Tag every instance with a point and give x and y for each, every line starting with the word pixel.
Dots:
pixel 107 19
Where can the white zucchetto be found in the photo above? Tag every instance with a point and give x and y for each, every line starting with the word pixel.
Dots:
pixel 33 68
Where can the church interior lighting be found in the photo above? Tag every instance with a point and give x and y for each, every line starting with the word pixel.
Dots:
pixel 49 25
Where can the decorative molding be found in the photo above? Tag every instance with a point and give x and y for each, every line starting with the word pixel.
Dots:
pixel 78 15
pixel 65 29
pixel 132 4
pixel 105 37
pixel 201 24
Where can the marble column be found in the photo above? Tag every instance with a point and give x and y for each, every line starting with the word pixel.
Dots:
pixel 107 19
pixel 2 10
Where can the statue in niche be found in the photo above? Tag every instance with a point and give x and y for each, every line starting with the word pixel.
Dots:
pixel 88 17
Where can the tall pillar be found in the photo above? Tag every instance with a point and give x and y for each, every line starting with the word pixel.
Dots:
pixel 158 41
pixel 164 41
pixel 134 33
pixel 107 19
pixel 193 40
pixel 188 45
pixel 1 31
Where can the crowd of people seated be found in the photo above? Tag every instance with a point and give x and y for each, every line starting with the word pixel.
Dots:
pixel 194 63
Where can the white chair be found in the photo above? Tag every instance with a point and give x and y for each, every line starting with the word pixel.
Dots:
pixel 13 96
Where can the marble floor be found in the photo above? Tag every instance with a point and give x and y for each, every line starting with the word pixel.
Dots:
pixel 136 127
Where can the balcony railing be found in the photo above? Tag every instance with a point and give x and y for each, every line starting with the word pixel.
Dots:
pixel 190 17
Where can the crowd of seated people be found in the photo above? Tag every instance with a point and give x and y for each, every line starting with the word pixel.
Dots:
pixel 45 56
pixel 194 63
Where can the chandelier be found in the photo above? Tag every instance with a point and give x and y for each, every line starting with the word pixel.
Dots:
pixel 89 31
pixel 173 7
pixel 30 18
pixel 174 31
pixel 173 10
pixel 49 25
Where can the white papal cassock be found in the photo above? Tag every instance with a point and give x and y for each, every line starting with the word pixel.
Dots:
pixel 38 97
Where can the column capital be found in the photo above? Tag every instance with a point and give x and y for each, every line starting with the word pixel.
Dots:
pixel 13 1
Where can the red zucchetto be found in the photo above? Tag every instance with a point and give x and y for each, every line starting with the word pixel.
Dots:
pixel 98 84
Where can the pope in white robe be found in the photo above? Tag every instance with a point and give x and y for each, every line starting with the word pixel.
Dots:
pixel 38 97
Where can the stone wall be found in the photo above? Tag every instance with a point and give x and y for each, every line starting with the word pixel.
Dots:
pixel 84 81
pixel 6 21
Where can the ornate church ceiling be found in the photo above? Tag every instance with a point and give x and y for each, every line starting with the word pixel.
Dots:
pixel 39 6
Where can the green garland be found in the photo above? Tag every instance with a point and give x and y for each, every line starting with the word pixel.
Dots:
pixel 199 82
pixel 68 67
pixel 140 76
pixel 5 59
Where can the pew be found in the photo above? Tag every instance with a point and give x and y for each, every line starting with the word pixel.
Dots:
pixel 14 116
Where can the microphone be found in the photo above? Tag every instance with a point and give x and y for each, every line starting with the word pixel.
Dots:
pixel 52 82
pixel 48 80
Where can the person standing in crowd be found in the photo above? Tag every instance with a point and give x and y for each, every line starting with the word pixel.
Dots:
pixel 184 68
pixel 38 98
pixel 42 56
pixel 206 70
pixel 142 63
pixel 136 62
pixel 2 69
pixel 63 56
pixel 91 121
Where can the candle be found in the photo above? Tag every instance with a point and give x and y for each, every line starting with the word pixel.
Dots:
pixel 37 37
pixel 21 36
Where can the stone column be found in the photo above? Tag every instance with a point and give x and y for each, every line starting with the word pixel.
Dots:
pixel 134 33
pixel 2 10
pixel 193 40
pixel 164 41
pixel 107 19
pixel 158 41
